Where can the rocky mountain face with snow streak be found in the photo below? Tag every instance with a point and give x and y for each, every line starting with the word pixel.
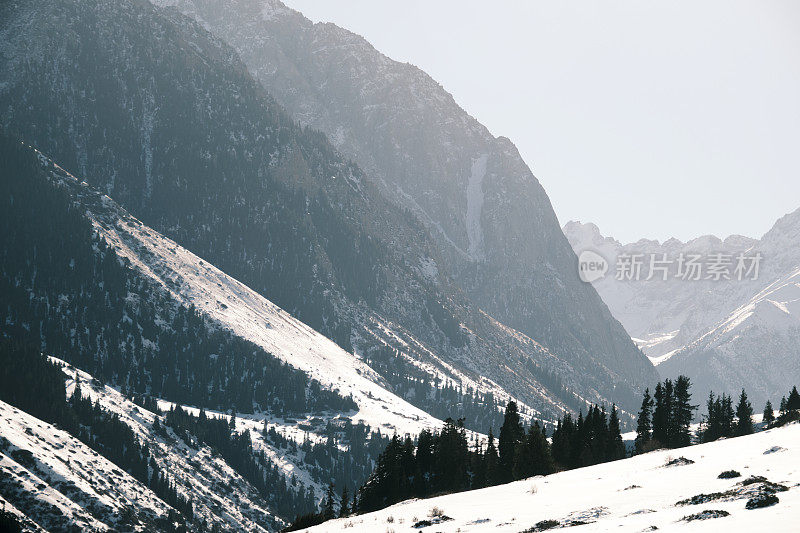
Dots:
pixel 487 213
pixel 726 334
pixel 173 127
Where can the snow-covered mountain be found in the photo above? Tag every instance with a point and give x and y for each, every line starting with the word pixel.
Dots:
pixel 668 490
pixel 726 334
pixel 166 119
pixel 492 222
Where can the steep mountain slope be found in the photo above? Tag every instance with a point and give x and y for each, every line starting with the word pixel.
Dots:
pixel 487 213
pixel 727 333
pixel 157 113
pixel 94 285
pixel 642 493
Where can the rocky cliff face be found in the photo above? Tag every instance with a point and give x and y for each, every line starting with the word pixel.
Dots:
pixel 487 213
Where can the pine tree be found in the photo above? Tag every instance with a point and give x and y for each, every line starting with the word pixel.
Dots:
pixel 783 407
pixel 616 446
pixel 491 459
pixel 744 414
pixel 769 414
pixel 532 456
pixel 682 413
pixel 644 424
pixel 511 434
pixel 661 414
pixel 793 402
pixel 328 511
pixel 344 506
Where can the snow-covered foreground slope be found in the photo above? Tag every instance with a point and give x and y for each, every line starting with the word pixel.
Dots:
pixel 637 494
pixel 726 334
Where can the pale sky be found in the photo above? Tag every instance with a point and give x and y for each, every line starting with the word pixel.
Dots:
pixel 650 119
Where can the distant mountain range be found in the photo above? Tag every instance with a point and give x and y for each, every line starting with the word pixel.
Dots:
pixel 726 333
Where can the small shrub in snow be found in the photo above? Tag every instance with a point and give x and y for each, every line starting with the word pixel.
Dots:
pixel 728 474
pixel 763 499
pixel 706 515
pixel 390 519
pixel 680 461
pixel 543 525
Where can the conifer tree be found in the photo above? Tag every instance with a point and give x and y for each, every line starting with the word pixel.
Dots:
pixel 616 446
pixel 644 426
pixel 744 415
pixel 682 413
pixel 783 406
pixel 769 414
pixel 793 402
pixel 511 434
pixel 344 505
pixel 661 413
pixel 491 459
pixel 328 511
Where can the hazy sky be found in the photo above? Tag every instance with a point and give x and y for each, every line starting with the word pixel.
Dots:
pixel 651 119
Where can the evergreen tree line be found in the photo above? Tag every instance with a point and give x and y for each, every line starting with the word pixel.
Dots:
pixel 590 440
pixel 67 292
pixel 445 461
pixel 665 418
pixel 34 384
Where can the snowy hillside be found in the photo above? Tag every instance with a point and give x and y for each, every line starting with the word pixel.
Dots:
pixel 726 333
pixel 85 488
pixel 193 282
pixel 669 490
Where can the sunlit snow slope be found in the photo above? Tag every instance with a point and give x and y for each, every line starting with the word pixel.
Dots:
pixel 192 281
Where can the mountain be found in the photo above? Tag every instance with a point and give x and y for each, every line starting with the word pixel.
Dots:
pixel 651 492
pixel 95 286
pixel 487 213
pixel 726 334
pixel 164 117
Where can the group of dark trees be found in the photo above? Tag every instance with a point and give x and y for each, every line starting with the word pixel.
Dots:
pixel 589 440
pixel 789 410
pixel 444 461
pixel 722 420
pixel 665 418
